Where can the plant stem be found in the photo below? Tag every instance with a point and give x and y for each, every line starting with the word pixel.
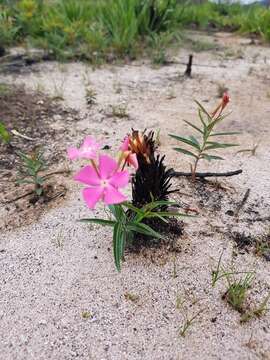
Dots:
pixel 205 174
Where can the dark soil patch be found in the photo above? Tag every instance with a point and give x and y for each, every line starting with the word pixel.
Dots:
pixel 259 244
pixel 46 123
pixel 171 232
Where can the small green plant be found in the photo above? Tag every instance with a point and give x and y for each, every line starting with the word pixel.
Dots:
pixel 179 301
pixel 5 136
pixel 87 315
pixel 236 292
pixel 120 111
pixel 30 170
pixel 90 96
pixel 257 311
pixel 126 224
pixel 4 89
pixel 189 321
pixel 201 149
pixel 237 288
pixel 131 297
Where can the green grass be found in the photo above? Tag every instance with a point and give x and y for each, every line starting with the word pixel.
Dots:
pixel 86 29
pixel 107 29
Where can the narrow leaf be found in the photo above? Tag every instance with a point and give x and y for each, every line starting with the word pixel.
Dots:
pixel 193 126
pixel 186 152
pixel 226 133
pixel 170 213
pixel 186 141
pixel 143 229
pixel 215 145
pixel 118 245
pixel 195 141
pixel 203 109
pixel 211 157
pixel 99 221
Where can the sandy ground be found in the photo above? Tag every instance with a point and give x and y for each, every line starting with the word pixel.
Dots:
pixel 61 297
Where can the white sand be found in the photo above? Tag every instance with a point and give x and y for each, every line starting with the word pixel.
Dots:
pixel 56 269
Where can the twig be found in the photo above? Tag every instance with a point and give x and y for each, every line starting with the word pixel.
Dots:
pixel 189 66
pixel 206 174
pixel 19 197
pixel 57 195
pixel 242 203
pixel 56 173
pixel 259 219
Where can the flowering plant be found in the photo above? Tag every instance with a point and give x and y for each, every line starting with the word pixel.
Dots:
pixel 202 149
pixel 104 179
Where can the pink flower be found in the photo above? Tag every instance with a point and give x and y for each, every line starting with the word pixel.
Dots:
pixel 103 181
pixel 88 150
pixel 129 157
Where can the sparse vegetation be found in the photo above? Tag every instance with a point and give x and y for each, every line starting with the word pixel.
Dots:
pixel 202 149
pixel 30 170
pixel 90 96
pixel 5 136
pixel 120 111
pixel 238 285
pixel 105 30
pixel 189 321
pixel 236 293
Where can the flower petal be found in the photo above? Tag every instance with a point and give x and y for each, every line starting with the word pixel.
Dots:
pixel 88 175
pixel 119 179
pixel 133 161
pixel 92 196
pixel 89 141
pixel 73 153
pixel 107 166
pixel 113 196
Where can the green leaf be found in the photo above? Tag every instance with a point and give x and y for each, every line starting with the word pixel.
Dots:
pixel 186 141
pixel 186 152
pixel 133 208
pixel 99 221
pixel 202 121
pixel 214 122
pixel 170 213
pixel 193 126
pixel 195 141
pixel 203 109
pixel 226 133
pixel 39 180
pixel 215 145
pixel 118 245
pixel 143 229
pixel 211 157
pixel 39 191
pixel 118 212
pixel 4 134
pixel 155 204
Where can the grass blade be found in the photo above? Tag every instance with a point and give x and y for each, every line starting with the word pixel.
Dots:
pixel 99 221
pixel 118 245
pixel 143 229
